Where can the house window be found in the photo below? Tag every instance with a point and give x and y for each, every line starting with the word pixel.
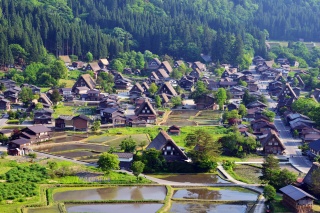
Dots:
pixel 169 148
pixel 270 143
pixel 275 143
pixel 163 148
pixel 165 153
pixel 143 111
pixel 148 111
pixel 145 108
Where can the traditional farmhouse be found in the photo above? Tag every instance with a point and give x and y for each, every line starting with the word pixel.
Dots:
pixel 19 147
pixel 64 122
pixel 174 130
pixel 206 102
pixel 66 59
pixel 167 89
pixel 272 144
pixel 84 80
pixel 125 159
pixel 146 113
pixel 154 64
pixel 169 149
pixel 5 104
pixel 103 63
pixel 199 65
pixel 81 122
pixel 109 115
pixel 166 66
pixel 37 133
pixel 296 199
pixel 43 116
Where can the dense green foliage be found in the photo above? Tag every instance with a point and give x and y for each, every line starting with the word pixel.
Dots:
pixel 308 107
pixel 128 145
pixel 33 173
pixel 273 175
pixel 108 161
pixel 235 144
pixel 19 190
pixel 229 30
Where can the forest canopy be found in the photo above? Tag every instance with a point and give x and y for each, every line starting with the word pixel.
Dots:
pixel 180 28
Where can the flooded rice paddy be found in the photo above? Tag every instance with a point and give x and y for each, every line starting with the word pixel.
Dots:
pixel 114 193
pixel 177 207
pixel 192 178
pixel 223 193
pixel 111 208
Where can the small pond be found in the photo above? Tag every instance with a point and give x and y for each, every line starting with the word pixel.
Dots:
pixel 192 178
pixel 223 193
pixel 111 208
pixel 206 207
pixel 114 193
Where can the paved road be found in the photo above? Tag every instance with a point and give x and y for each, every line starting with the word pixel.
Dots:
pixel 3 122
pixel 300 162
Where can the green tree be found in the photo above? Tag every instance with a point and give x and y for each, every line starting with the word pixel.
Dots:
pixel 153 160
pixel 89 57
pixel 56 97
pixel 233 114
pixel 26 95
pixel 158 101
pixel 242 110
pixel 243 83
pixel 153 88
pixel 199 91
pixel 117 65
pixel 207 151
pixel 271 115
pixel 108 161
pixel 315 183
pixel 269 167
pixel 96 126
pixel 39 106
pixel 128 145
pixel 269 192
pixel 221 96
pixel 176 101
pixel 137 168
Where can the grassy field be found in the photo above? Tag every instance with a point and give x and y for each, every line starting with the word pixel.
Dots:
pixel 69 82
pixel 74 74
pixel 63 110
pixel 249 173
pixel 44 89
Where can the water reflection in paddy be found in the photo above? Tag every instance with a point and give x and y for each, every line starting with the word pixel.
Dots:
pixel 224 193
pixel 192 178
pixel 119 208
pixel 114 193
pixel 206 207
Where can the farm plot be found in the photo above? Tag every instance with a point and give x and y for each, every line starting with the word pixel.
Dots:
pixel 207 117
pixel 61 147
pixel 181 118
pixel 116 139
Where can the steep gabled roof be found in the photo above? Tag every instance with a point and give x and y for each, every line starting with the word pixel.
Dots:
pixel 104 61
pixel 65 58
pixel 161 140
pixel 137 85
pixel 199 65
pixel 89 80
pixel 154 75
pixel 148 105
pixel 315 145
pixel 256 104
pixel 169 87
pixel 167 66
pixel 145 85
pixel 288 91
pixel 272 134
pixel 95 66
pixel 163 73
pixel 308 178
pixel 46 99
pixel 295 193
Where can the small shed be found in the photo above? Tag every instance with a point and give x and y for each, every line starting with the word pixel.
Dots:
pixel 125 159
pixel 297 199
pixel 174 130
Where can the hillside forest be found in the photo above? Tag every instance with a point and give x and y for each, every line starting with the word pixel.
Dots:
pixel 231 31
